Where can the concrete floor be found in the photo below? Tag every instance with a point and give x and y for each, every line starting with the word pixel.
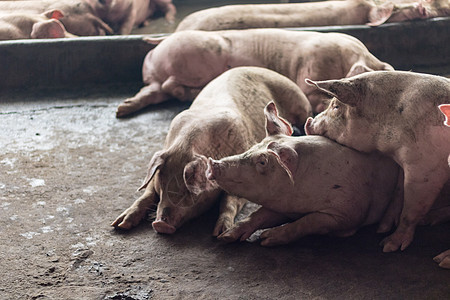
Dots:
pixel 68 168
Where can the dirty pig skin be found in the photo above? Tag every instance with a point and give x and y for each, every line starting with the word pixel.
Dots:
pixel 184 62
pixel 322 13
pixel 395 113
pixel 311 182
pixel 226 118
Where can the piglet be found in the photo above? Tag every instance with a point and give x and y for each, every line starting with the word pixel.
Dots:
pixel 225 118
pixel 394 113
pixel 310 182
pixel 184 62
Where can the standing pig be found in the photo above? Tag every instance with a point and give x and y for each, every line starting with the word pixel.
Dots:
pixel 32 26
pixel 393 113
pixel 225 119
pixel 349 12
pixel 315 183
pixel 183 63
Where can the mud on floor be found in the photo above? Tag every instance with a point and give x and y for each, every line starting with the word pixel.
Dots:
pixel 68 168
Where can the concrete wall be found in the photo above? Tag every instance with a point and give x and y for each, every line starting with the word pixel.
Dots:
pixel 422 46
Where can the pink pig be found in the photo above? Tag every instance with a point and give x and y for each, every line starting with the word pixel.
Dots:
pixel 323 13
pixel 32 26
pixel 393 113
pixel 184 62
pixel 319 186
pixel 79 15
pixel 226 118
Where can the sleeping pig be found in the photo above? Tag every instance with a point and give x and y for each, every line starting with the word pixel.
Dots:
pixel 394 113
pixel 314 183
pixel 322 13
pixel 225 119
pixel 184 62
pixel 32 26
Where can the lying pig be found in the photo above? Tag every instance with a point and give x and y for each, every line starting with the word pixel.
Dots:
pixel 349 12
pixel 184 62
pixel 394 113
pixel 32 26
pixel 443 259
pixel 319 186
pixel 225 119
pixel 124 15
pixel 79 15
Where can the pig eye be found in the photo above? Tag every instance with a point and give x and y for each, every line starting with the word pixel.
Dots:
pixel 261 163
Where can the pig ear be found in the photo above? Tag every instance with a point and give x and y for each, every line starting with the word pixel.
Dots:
pixel 445 108
pixel 54 14
pixel 48 29
pixel 358 68
pixel 155 163
pixel 380 14
pixel 342 89
pixel 194 175
pixel 286 156
pixel 274 123
pixel 154 40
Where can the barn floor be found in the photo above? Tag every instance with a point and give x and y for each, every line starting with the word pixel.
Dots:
pixel 69 168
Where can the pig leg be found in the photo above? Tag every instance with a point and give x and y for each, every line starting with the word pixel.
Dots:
pixel 136 212
pixel 392 215
pixel 313 223
pixel 261 218
pixel 150 94
pixel 420 194
pixel 230 206
pixel 443 259
pixel 184 93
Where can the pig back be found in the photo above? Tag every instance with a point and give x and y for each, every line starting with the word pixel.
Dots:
pixel 369 179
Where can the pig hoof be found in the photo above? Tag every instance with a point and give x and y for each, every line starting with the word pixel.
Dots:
pixel 129 218
pixel 223 224
pixel 393 243
pixel 443 259
pixel 271 238
pixel 127 107
pixel 163 227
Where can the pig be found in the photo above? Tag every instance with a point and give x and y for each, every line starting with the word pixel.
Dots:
pixel 395 113
pixel 310 182
pixel 224 119
pixel 324 13
pixel 184 62
pixel 124 15
pixel 443 259
pixel 32 26
pixel 79 15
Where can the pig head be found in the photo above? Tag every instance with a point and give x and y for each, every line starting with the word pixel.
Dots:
pixel 394 113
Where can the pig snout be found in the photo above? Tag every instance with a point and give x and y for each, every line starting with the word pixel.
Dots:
pixel 213 169
pixel 161 224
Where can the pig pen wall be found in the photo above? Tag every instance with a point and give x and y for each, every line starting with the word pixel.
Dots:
pixel 43 65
